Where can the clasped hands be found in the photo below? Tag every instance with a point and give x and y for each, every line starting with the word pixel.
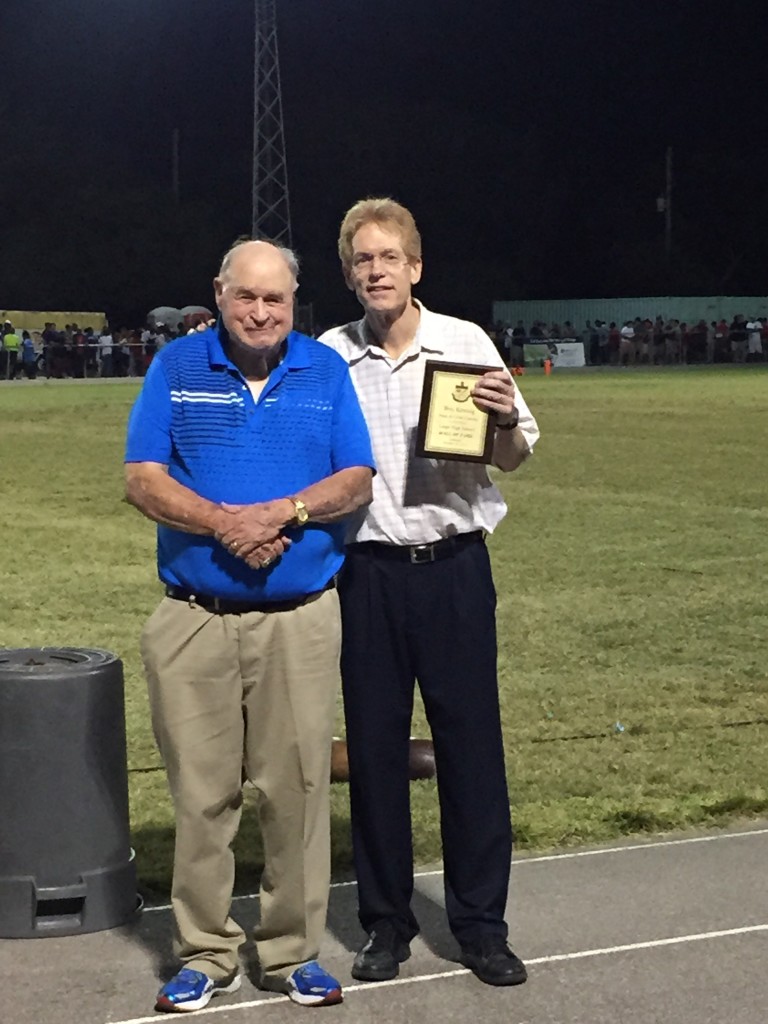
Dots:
pixel 254 532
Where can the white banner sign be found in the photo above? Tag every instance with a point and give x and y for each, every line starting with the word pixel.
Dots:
pixel 568 353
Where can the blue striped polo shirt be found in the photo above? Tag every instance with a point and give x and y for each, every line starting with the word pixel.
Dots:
pixel 196 415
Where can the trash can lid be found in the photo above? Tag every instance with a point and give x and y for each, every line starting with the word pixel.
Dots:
pixel 43 660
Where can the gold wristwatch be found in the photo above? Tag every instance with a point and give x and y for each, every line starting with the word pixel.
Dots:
pixel 301 515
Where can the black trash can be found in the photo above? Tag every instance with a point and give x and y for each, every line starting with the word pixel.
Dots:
pixel 66 863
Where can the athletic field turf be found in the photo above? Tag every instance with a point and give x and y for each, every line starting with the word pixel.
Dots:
pixel 631 574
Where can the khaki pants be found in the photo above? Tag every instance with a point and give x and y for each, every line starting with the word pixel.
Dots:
pixel 255 689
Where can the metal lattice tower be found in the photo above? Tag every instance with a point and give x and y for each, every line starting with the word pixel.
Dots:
pixel 271 208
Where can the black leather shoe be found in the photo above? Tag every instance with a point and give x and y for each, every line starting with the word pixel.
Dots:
pixel 492 961
pixel 381 956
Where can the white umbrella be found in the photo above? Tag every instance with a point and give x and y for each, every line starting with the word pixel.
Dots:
pixel 194 315
pixel 170 316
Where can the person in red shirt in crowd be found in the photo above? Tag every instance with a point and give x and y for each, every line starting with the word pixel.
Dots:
pixel 614 341
pixel 722 341
pixel 77 359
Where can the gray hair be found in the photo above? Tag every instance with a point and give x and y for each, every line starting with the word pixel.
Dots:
pixel 290 257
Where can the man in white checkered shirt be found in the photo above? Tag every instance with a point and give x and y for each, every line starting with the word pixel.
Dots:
pixel 418 603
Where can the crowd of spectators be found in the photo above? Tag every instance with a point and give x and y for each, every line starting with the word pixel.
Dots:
pixel 663 341
pixel 81 352
pixel 124 352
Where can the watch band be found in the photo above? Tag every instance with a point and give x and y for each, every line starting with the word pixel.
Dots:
pixel 513 423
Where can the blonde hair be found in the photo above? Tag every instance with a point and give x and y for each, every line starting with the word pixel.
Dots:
pixel 389 215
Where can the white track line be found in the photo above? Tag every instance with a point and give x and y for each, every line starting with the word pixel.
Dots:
pixel 640 846
pixel 583 954
pixel 521 862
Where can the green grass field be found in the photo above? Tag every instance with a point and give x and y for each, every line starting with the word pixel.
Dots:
pixel 631 570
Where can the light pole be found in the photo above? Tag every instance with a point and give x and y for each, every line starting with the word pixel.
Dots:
pixel 664 205
pixel 175 180
pixel 271 216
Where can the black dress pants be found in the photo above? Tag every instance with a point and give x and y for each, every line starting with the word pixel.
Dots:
pixel 433 623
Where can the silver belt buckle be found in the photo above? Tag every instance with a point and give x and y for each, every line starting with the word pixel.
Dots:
pixel 421 554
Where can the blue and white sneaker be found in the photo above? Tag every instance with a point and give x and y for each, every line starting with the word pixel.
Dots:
pixel 311 985
pixel 192 990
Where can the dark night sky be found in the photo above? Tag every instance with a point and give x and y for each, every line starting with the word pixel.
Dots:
pixel 527 136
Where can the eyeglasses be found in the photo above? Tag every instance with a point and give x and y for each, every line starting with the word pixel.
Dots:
pixel 390 259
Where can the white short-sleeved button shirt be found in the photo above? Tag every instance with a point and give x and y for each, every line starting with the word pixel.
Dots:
pixel 418 500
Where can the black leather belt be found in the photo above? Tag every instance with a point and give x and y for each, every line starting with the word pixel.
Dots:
pixel 420 554
pixel 224 606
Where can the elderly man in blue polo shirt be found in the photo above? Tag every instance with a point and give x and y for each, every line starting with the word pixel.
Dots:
pixel 248 447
